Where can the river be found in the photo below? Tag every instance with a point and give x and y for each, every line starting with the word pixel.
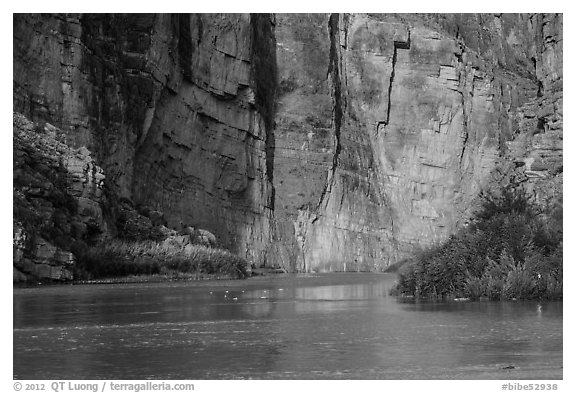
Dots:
pixel 317 326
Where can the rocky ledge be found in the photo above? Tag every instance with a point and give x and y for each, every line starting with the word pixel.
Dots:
pixel 57 194
pixel 62 207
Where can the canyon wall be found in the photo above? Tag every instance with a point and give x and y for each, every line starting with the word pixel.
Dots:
pixel 390 125
pixel 314 142
pixel 178 109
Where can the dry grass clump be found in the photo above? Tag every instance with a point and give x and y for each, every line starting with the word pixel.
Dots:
pixel 119 258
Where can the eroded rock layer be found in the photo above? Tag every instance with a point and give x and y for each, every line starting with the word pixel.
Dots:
pixel 58 200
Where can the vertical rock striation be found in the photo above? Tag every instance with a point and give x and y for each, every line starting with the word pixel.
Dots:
pixel 327 180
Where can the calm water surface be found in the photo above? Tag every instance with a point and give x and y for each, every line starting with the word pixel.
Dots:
pixel 341 325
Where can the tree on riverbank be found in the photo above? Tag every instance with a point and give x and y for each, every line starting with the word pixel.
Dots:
pixel 510 250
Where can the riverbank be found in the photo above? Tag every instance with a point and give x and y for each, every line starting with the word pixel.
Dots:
pixel 252 274
pixel 118 258
pixel 69 227
pixel 511 250
pixel 140 279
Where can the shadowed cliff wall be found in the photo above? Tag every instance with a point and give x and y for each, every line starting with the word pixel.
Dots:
pixel 173 105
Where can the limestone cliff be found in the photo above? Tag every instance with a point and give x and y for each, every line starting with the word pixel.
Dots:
pixel 178 109
pixel 309 141
pixel 389 126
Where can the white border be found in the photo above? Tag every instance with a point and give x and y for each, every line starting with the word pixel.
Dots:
pixel 298 6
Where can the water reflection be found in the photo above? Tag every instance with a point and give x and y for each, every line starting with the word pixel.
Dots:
pixel 322 326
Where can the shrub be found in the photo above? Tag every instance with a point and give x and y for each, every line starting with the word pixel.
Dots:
pixel 475 287
pixel 509 199
pixel 119 258
pixel 519 283
pixel 508 252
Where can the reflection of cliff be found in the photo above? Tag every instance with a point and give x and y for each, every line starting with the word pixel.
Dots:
pixel 312 141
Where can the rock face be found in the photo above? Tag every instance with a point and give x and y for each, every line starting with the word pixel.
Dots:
pixel 179 109
pixel 58 200
pixel 537 149
pixel 313 142
pixel 389 126
pixel 329 203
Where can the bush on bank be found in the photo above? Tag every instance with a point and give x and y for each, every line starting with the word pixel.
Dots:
pixel 118 258
pixel 507 252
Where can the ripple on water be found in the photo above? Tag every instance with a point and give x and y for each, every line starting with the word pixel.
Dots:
pixel 342 326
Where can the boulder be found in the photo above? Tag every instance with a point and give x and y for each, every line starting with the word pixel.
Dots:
pixel 18 276
pixel 167 232
pixel 45 261
pixel 156 218
pixel 205 238
pixel 188 231
pixel 177 240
